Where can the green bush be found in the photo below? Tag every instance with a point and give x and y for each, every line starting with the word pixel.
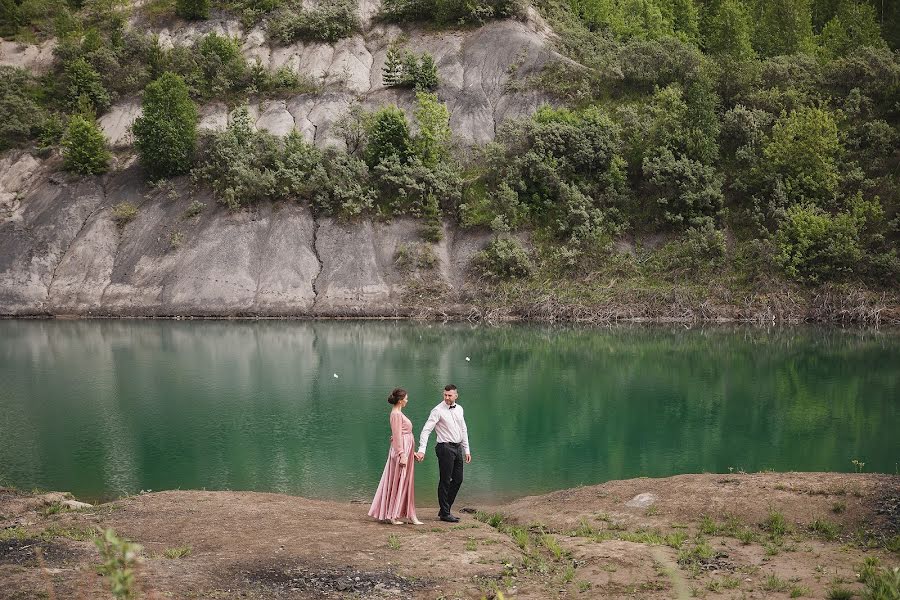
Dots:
pixel 504 258
pixel 345 190
pixel 816 246
pixel 22 115
pixel 432 142
pixel 84 147
pixel 403 68
pixel 448 12
pixel 330 21
pixel 82 83
pixel 802 153
pixel 388 136
pixel 120 560
pixel 166 132
pixel 192 9
pixel 244 166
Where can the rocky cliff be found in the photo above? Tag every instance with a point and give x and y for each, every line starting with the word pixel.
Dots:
pixel 63 252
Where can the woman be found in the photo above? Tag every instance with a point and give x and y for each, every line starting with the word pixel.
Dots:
pixel 394 499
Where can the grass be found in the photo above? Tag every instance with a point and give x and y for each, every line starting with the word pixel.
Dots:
pixel 800 591
pixel 839 507
pixel 839 593
pixel 550 543
pixel 194 209
pixel 471 545
pixel 568 574
pixel 13 533
pixel 583 586
pixel 881 583
pixel 520 536
pixel 495 520
pixel 775 584
pixel 775 524
pixel 54 509
pixel 123 213
pixel 730 583
pixel 825 529
pixel 393 542
pixel 177 552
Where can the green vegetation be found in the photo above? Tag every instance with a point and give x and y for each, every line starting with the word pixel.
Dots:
pixel 165 134
pixel 882 583
pixel 329 21
pixel 123 213
pixel 177 552
pixel 403 68
pixel 84 147
pixel 192 9
pixel 755 141
pixel 120 558
pixel 448 12
pixel 393 542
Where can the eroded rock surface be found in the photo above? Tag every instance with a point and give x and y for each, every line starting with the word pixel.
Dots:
pixel 61 252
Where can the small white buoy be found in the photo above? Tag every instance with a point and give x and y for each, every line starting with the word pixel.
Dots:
pixel 468 359
pixel 335 375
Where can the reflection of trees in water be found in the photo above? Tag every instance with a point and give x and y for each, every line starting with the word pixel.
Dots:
pixel 254 405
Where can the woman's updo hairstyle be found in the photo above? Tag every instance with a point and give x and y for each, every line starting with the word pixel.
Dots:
pixel 396 396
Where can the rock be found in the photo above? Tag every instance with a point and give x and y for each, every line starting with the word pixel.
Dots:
pixel 75 504
pixel 642 500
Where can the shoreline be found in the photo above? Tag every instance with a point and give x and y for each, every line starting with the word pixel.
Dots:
pixel 711 535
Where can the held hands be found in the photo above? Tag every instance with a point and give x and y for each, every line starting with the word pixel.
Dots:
pixel 420 456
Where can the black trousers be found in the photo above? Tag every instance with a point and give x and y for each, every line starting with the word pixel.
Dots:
pixel 450 462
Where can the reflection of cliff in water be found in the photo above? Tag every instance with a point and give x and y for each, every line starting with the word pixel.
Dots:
pixel 109 407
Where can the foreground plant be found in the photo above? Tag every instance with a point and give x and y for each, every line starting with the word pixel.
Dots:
pixel 120 560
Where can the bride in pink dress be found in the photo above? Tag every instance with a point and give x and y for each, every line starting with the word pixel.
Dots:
pixel 394 499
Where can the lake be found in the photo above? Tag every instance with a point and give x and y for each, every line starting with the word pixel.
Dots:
pixel 107 408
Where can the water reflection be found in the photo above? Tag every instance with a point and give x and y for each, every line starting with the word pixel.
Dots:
pixel 104 408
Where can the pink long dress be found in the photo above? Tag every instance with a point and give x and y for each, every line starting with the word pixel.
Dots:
pixel 395 498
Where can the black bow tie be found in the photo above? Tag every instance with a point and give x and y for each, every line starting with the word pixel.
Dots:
pixel 452 406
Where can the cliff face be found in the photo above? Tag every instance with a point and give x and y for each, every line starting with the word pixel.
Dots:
pixel 478 71
pixel 62 252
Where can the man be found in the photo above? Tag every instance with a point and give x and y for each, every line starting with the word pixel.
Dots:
pixel 452 449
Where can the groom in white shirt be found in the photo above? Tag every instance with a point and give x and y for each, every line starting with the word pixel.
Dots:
pixel 452 448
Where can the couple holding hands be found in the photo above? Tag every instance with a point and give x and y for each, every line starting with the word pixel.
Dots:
pixel 395 500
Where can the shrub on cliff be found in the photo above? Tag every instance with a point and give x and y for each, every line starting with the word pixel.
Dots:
pixel 329 21
pixel 22 116
pixel 388 136
pixel 192 9
pixel 403 68
pixel 504 258
pixel 166 133
pixel 84 147
pixel 83 83
pixel 448 12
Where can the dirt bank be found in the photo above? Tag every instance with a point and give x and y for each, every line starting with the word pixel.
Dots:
pixel 634 538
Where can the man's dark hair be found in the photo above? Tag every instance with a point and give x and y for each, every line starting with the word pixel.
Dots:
pixel 449 387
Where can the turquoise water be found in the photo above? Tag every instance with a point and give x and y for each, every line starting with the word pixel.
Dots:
pixel 105 408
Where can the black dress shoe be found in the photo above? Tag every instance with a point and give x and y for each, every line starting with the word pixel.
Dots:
pixel 449 518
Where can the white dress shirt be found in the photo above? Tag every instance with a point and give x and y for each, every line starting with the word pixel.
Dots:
pixel 449 425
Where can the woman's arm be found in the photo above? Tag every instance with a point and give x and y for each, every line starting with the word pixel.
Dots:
pixel 397 435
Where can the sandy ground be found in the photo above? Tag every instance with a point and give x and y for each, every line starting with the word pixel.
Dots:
pixel 586 542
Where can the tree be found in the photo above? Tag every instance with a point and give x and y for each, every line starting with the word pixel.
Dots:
pixel 686 21
pixel 388 135
pixel 392 71
pixel 854 26
pixel 22 116
pixel 192 9
pixel 166 132
pixel 730 32
pixel 84 147
pixel 82 82
pixel 784 27
pixel 803 152
pixel 427 77
pixel 432 143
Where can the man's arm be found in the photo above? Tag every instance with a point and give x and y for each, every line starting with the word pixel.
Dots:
pixel 433 418
pixel 465 438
